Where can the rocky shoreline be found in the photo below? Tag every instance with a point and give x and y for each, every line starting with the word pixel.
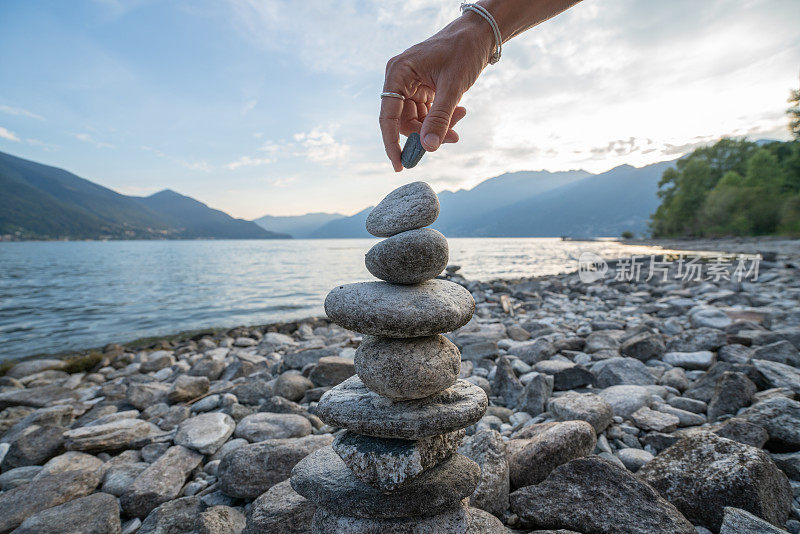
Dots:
pixel 614 406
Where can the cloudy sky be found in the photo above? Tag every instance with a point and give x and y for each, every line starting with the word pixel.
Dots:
pixel 270 107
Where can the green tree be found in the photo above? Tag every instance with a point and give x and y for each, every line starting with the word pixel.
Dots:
pixel 794 113
pixel 790 216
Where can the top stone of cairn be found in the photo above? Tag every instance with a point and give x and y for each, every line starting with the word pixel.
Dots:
pixel 408 207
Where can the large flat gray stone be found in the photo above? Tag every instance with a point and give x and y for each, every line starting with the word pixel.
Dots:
pixel 393 310
pixel 352 406
pixel 323 478
pixel 453 521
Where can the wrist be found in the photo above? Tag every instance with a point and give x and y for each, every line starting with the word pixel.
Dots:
pixel 477 31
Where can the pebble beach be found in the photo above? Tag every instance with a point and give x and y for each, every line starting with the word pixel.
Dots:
pixel 613 406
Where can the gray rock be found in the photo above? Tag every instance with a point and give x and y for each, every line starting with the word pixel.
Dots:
pixel 534 351
pixel 37 397
pixel 594 495
pixel 625 400
pixel 588 407
pixel 250 470
pixel 618 371
pixel 156 361
pixel 94 514
pixel 145 394
pixel 323 478
pixel 280 510
pixel 566 375
pixel 702 359
pixel 738 521
pixel 485 523
pixel 109 437
pixel 20 475
pixel 780 417
pixel 648 419
pixel 173 517
pixel 388 464
pixel 292 385
pixel 331 371
pixel 352 406
pixel 488 450
pixel 455 520
pixel 301 358
pixel 535 393
pixel 220 520
pixel 264 425
pixel 704 473
pixel 206 432
pixel 634 459
pixel 23 501
pixel 643 346
pixel 34 446
pixel 408 207
pixel 160 482
pixel 409 257
pixel 538 449
pixel 710 317
pixel 744 432
pixel 118 478
pixel 733 392
pixel 697 339
pixel 186 388
pixel 477 351
pixel 675 377
pixel 777 375
pixel 391 310
pixel 685 418
pixel 789 463
pixel 72 461
pixel 781 351
pixel 690 405
pixel 403 369
pixel 253 390
pixel 31 367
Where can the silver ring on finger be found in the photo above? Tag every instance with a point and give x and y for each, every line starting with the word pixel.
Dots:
pixel 392 95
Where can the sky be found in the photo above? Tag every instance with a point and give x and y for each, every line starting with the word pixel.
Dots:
pixel 270 106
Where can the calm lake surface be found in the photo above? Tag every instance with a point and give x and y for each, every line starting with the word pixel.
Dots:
pixel 61 296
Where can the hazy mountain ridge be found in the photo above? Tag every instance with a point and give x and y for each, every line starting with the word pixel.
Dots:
pixel 298 226
pixel 538 204
pixel 44 202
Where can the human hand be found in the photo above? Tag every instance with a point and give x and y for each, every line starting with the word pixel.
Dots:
pixel 432 76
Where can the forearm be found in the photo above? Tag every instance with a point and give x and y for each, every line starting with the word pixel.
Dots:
pixel 515 16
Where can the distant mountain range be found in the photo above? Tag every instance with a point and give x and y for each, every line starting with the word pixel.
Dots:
pixel 42 202
pixel 574 204
pixel 297 225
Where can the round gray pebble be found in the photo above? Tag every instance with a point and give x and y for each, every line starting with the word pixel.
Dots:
pixel 403 369
pixel 408 207
pixel 409 257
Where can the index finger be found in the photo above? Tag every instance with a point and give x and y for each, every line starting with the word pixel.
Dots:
pixel 389 119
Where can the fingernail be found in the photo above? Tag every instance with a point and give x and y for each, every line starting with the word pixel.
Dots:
pixel 432 140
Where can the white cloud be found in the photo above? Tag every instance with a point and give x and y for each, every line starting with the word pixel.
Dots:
pixel 87 138
pixel 247 161
pixel 8 135
pixel 319 146
pixel 20 112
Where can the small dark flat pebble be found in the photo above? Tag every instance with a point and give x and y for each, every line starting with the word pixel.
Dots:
pixel 412 151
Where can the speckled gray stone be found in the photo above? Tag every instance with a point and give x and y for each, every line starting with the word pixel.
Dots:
pixel 412 151
pixel 391 310
pixel 388 464
pixel 324 479
pixel 455 521
pixel 409 257
pixel 352 406
pixel 403 369
pixel 408 207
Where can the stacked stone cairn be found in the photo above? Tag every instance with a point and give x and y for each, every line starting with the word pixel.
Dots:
pixel 394 469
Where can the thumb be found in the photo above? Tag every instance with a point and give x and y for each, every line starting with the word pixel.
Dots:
pixel 437 121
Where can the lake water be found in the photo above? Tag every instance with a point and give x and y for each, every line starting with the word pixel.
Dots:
pixel 61 296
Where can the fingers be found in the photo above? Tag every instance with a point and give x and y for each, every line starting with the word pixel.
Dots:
pixel 437 121
pixel 389 119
